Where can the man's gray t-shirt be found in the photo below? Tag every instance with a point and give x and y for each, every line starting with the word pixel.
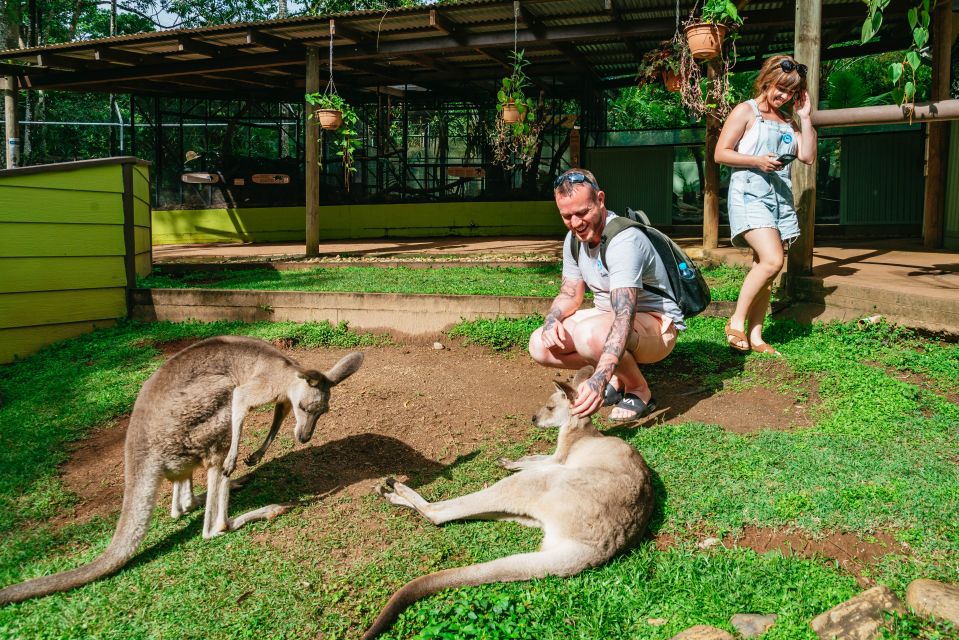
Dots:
pixel 632 262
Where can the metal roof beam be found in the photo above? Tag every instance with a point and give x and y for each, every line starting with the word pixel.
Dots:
pixel 579 60
pixel 532 23
pixel 361 40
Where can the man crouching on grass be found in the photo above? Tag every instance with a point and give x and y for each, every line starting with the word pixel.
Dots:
pixel 627 326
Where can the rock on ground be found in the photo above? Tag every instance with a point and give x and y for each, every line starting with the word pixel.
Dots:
pixel 753 625
pixel 703 632
pixel 929 598
pixel 858 618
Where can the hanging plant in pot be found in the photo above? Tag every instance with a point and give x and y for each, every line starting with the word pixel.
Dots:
pixel 662 64
pixel 712 97
pixel 516 135
pixel 344 123
pixel 705 34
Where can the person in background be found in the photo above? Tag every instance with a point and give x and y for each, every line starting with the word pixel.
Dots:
pixel 758 141
pixel 627 326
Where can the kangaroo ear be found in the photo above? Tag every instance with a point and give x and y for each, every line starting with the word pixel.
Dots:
pixel 567 390
pixel 582 375
pixel 346 367
pixel 313 378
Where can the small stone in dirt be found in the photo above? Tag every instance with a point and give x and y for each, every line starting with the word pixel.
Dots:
pixel 703 632
pixel 438 345
pixel 708 543
pixel 753 625
pixel 929 598
pixel 656 622
pixel 858 618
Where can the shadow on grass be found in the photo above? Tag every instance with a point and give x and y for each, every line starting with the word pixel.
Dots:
pixel 313 474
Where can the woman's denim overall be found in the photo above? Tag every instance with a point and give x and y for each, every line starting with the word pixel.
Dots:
pixel 758 199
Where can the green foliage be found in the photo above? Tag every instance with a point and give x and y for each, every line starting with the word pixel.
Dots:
pixel 721 12
pixel 512 92
pixel 903 72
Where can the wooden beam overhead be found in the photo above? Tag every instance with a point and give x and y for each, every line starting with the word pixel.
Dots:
pixel 109 54
pixel 441 23
pixel 360 40
pixel 533 24
pixel 577 59
pixel 62 62
pixel 192 45
pixel 257 37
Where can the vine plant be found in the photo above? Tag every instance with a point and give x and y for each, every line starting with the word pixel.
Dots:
pixel 715 103
pixel 903 72
pixel 516 143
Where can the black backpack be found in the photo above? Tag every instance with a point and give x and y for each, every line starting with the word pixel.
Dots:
pixel 692 294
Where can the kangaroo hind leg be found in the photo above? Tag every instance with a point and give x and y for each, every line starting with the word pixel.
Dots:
pixel 508 499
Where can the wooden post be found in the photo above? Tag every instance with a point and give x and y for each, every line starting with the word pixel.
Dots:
pixel 11 138
pixel 312 170
pixel 806 47
pixel 711 170
pixel 937 133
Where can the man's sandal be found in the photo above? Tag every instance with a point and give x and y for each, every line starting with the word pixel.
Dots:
pixel 733 336
pixel 632 402
pixel 765 348
pixel 611 395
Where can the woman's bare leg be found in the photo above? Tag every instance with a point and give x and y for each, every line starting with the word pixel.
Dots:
pixel 768 257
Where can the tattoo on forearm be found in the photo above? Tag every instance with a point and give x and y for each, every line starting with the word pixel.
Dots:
pixel 569 291
pixel 623 302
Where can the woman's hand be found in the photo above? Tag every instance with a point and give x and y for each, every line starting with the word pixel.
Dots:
pixel 768 163
pixel 803 104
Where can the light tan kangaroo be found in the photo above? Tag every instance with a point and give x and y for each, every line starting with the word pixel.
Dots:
pixel 592 498
pixel 188 414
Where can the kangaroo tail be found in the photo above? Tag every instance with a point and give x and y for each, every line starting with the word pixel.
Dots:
pixel 139 496
pixel 564 560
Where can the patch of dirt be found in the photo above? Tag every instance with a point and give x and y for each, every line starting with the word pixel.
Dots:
pixel 411 411
pixel 921 381
pixel 853 553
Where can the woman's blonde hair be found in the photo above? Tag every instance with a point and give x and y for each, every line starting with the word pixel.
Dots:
pixel 773 74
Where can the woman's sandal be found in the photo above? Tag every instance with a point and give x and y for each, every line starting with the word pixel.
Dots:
pixel 733 336
pixel 765 348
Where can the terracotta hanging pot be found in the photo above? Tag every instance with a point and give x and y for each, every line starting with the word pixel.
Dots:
pixel 510 113
pixel 672 81
pixel 705 39
pixel 330 119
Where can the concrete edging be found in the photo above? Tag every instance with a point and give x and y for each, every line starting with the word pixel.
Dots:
pixel 408 314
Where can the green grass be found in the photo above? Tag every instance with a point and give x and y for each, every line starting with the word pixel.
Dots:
pixel 880 458
pixel 540 281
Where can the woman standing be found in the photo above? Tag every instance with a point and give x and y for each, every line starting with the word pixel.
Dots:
pixel 759 140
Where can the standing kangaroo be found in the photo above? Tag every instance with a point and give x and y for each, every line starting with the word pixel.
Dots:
pixel 593 497
pixel 188 414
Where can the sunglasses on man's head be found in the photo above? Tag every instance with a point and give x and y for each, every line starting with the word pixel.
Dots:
pixel 575 177
pixel 789 66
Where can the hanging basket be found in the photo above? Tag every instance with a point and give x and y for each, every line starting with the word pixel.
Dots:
pixel 510 113
pixel 705 39
pixel 672 81
pixel 330 119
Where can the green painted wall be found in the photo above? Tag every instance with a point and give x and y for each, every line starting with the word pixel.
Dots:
pixel 636 177
pixel 287 224
pixel 882 180
pixel 62 250
pixel 951 237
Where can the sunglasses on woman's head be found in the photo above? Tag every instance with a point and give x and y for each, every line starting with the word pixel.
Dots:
pixel 789 66
pixel 575 177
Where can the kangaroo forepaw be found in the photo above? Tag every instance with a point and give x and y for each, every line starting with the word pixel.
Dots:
pixel 253 459
pixel 506 463
pixel 229 465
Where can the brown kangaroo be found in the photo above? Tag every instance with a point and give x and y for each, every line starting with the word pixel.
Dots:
pixel 188 414
pixel 592 498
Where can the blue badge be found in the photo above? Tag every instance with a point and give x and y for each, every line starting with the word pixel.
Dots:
pixel 787 138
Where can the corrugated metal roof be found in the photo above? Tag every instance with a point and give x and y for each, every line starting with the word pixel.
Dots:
pixel 445 47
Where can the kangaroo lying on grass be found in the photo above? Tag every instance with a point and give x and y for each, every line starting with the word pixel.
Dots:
pixel 593 497
pixel 188 414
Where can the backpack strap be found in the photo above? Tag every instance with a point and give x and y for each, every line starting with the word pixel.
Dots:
pixel 614 227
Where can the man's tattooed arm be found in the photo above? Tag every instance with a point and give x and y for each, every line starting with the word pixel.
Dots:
pixel 566 303
pixel 623 302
